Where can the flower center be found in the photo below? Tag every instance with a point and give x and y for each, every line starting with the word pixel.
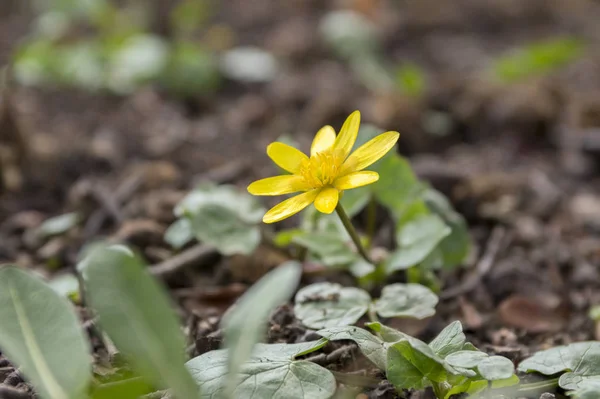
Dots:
pixel 322 169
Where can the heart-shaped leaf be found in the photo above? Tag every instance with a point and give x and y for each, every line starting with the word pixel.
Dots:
pixel 496 368
pixel 579 361
pixel 406 300
pixel 416 240
pixel 330 248
pixel 41 334
pixel 449 340
pixel 243 332
pixel 136 314
pixel 271 372
pixel 455 247
pixel 413 364
pixel 398 188
pixel 224 217
pixel 371 346
pixel 323 305
pixel 466 359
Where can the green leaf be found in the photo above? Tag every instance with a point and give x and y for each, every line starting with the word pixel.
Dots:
pixel 594 313
pixel 361 268
pixel 398 187
pixel 466 359
pixel 496 368
pixel 579 361
pixel 66 285
pixel 223 217
pixel 371 346
pixel 136 314
pixel 249 64
pixel 191 70
pixel 416 240
pixel 284 238
pixel 538 59
pixel 388 334
pixel 271 372
pixel 58 224
pixel 323 305
pixel 179 233
pixel 406 300
pixel 580 358
pixel 411 80
pixel 587 389
pixel 138 59
pixel 349 33
pixel 41 334
pixel 454 248
pixel 413 364
pixel 189 15
pixel 402 373
pixel 355 200
pixel 574 381
pixel 451 339
pixel 219 226
pixel 245 324
pixel 329 247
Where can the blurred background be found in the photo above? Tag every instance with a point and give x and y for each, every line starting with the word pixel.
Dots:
pixel 114 109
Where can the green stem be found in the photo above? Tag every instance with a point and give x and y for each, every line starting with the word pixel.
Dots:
pixel 353 234
pixel 371 220
pixel 539 386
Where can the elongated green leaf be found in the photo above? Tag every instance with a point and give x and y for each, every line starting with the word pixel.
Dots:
pixel 40 332
pixel 323 305
pixel 245 325
pixel 135 312
pixel 271 372
pixel 58 224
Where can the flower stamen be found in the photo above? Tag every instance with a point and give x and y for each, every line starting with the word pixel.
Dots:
pixel 321 169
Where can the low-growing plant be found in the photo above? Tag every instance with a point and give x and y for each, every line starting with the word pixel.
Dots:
pixel 130 313
pixel 537 59
pixel 121 52
pixel 448 364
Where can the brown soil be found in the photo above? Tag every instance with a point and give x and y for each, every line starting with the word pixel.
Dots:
pixel 520 161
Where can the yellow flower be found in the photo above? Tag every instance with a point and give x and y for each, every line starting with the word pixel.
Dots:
pixel 324 175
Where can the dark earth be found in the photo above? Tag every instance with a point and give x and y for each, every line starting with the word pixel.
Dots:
pixel 520 161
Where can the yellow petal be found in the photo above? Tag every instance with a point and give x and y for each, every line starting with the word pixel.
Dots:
pixel 356 179
pixel 278 185
pixel 370 152
pixel 323 140
pixel 345 140
pixel 290 206
pixel 286 157
pixel 327 200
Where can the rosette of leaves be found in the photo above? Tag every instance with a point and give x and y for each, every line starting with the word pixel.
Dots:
pixel 323 305
pixel 448 364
